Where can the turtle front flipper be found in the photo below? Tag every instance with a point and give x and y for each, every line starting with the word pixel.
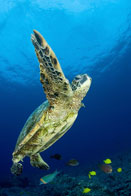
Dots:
pixel 55 85
pixel 37 161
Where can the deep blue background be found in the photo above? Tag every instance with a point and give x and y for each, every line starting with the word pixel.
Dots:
pixel 92 37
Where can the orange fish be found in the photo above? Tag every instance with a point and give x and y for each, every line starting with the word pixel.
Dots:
pixel 106 168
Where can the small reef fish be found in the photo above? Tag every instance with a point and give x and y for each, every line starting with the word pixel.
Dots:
pixel 105 168
pixel 91 173
pixel 107 161
pixel 86 190
pixel 119 170
pixel 72 162
pixel 56 156
pixel 48 178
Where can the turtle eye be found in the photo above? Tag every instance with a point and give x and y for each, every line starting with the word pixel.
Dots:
pixel 78 77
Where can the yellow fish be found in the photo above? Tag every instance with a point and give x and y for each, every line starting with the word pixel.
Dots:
pixel 86 190
pixel 107 161
pixel 92 173
pixel 119 170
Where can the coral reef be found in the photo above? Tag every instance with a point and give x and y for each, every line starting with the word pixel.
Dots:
pixel 114 184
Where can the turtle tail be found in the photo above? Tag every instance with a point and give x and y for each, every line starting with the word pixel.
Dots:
pixel 16 169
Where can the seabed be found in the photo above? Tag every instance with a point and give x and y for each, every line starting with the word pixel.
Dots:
pixel 73 183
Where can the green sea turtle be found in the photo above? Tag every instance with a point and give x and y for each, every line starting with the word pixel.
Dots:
pixel 54 117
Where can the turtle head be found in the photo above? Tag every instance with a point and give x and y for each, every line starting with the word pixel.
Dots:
pixel 81 82
pixel 80 85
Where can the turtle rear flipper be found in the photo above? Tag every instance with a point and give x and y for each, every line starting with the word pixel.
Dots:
pixel 37 161
pixel 16 169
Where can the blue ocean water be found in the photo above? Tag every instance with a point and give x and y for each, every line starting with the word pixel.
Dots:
pixel 92 37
